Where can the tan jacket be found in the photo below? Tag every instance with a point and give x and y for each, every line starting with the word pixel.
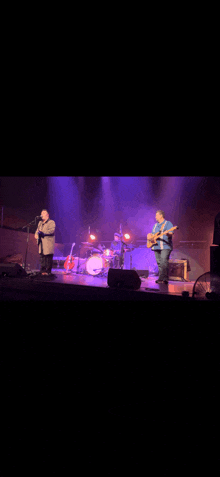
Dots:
pixel 48 242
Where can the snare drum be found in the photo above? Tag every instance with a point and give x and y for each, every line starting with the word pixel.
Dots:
pixel 95 264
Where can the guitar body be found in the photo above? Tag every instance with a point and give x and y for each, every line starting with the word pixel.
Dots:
pixel 153 240
pixel 69 263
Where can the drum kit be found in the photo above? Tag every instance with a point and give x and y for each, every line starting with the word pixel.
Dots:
pixel 99 260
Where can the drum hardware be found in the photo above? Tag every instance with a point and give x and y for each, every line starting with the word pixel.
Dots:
pixel 108 253
pixel 102 272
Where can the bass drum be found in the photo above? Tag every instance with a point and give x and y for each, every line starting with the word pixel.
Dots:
pixel 95 264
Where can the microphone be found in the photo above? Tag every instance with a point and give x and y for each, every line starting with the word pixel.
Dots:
pixel 38 217
pixel 89 230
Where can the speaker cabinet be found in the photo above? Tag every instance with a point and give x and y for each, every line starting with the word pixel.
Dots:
pixel 178 270
pixel 215 259
pixel 128 279
pixel 142 273
pixel 12 270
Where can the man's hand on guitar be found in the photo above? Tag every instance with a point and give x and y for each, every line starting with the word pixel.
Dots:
pixel 168 234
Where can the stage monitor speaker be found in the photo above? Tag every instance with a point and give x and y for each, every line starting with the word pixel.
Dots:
pixel 12 270
pixel 128 279
pixel 142 273
pixel 215 259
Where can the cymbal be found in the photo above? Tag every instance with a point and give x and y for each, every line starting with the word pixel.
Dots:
pixel 89 245
pixel 97 250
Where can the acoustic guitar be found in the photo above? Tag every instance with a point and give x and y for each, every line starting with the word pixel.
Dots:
pixel 69 263
pixel 153 240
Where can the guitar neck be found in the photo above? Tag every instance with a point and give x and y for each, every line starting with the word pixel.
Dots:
pixel 71 250
pixel 167 231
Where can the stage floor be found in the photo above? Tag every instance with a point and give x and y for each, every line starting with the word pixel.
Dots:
pixel 73 286
pixel 147 284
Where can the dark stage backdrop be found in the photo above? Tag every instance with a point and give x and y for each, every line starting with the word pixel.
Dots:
pixel 101 204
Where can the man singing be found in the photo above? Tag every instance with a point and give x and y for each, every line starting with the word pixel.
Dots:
pixel 45 234
pixel 165 246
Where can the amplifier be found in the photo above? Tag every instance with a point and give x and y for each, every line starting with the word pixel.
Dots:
pixel 215 259
pixel 58 262
pixel 178 270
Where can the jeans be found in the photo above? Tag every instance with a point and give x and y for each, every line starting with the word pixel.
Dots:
pixel 162 258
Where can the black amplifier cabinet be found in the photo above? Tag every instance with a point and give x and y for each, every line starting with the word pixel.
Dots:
pixel 58 262
pixel 215 259
pixel 178 270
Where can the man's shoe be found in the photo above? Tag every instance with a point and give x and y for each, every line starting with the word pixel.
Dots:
pixel 158 281
pixel 165 281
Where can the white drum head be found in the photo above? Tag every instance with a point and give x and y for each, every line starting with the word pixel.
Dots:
pixel 94 265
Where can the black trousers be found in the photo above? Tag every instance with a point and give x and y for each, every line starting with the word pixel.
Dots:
pixel 117 262
pixel 46 262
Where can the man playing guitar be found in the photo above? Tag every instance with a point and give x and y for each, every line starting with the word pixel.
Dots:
pixel 164 245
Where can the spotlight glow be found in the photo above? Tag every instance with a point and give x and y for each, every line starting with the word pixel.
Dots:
pixel 93 237
pixel 127 236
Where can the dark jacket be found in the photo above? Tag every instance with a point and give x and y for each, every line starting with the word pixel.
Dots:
pixel 116 246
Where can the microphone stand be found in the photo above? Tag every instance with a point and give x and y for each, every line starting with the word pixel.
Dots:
pixel 122 249
pixel 77 269
pixel 27 226
pixel 122 254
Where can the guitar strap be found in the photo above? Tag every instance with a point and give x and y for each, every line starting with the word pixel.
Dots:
pixel 161 230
